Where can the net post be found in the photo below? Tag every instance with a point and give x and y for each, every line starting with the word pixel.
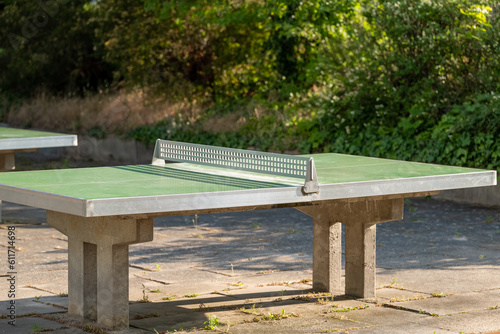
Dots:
pixel 311 183
pixel 156 154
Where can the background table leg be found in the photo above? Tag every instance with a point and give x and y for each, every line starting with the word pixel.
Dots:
pixel 7 163
pixel 327 250
pixel 359 218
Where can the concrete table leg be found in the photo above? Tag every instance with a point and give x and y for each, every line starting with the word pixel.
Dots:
pixel 327 249
pixel 82 258
pixel 98 264
pixel 359 217
pixel 360 241
pixel 360 250
pixel 7 163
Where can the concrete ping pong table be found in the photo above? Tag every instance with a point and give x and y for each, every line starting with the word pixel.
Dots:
pixel 103 210
pixel 18 140
pixel 13 141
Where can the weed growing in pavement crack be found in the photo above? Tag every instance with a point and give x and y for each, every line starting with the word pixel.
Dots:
pixel 239 283
pixel 251 310
pixel 191 295
pixel 440 294
pixel 275 316
pixel 169 297
pixel 324 301
pixel 336 308
pixel 397 299
pixel 212 323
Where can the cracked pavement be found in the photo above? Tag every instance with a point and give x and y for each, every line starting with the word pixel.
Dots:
pixel 438 271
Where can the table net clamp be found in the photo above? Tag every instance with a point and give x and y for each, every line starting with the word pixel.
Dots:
pixel 253 161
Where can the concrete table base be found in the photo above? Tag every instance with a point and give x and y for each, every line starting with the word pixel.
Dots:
pixel 359 218
pixel 98 274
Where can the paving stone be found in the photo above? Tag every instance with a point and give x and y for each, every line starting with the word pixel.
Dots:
pixel 264 258
pixel 31 305
pixel 29 324
pixel 450 280
pixel 389 294
pixel 455 304
pixel 485 321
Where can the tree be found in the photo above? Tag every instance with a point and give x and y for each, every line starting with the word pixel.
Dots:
pixel 49 46
pixel 409 61
pixel 248 48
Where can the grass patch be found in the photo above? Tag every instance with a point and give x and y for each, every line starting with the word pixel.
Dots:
pixel 338 308
pixel 239 283
pixel 273 316
pixel 169 298
pixel 251 310
pixel 440 295
pixel 192 295
pixel 397 299
pixel 324 301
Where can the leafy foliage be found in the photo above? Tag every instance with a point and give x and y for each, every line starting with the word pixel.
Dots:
pixel 415 60
pixel 405 79
pixel 249 48
pixel 48 46
pixel 466 136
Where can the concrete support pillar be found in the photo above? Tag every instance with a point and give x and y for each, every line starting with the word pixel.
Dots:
pixel 112 286
pixel 82 273
pixel 359 218
pixel 360 255
pixel 98 276
pixel 7 161
pixel 327 250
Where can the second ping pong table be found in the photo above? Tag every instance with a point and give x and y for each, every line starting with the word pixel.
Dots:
pixel 103 210
pixel 14 140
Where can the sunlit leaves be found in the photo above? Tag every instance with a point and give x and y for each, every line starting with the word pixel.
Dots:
pixel 258 46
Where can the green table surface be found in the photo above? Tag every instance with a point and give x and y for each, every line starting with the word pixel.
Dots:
pixel 172 179
pixel 11 133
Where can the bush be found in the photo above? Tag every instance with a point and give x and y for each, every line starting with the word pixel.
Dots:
pixel 466 136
